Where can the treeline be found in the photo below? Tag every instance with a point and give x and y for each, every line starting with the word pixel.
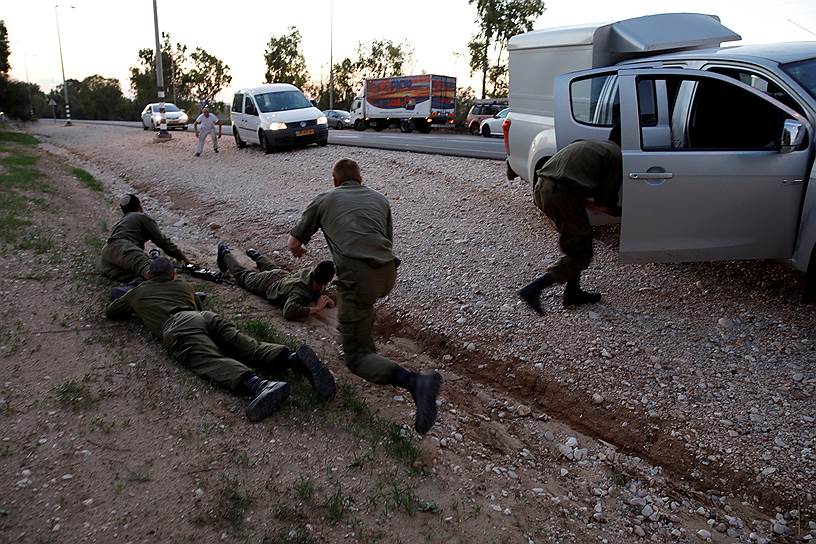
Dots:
pixel 195 77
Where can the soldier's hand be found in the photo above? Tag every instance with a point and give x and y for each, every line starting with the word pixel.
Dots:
pixel 325 302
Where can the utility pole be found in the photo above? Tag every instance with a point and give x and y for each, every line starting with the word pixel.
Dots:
pixel 163 134
pixel 62 66
pixel 331 55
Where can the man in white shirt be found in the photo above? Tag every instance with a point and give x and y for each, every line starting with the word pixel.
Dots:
pixel 207 121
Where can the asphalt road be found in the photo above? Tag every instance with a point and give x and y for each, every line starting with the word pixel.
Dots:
pixel 457 145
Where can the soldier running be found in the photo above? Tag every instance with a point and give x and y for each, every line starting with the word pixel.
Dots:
pixel 123 257
pixel 586 169
pixel 212 347
pixel 300 294
pixel 356 222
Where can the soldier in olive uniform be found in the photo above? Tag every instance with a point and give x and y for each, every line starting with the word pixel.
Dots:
pixel 584 170
pixel 300 294
pixel 212 347
pixel 123 257
pixel 356 222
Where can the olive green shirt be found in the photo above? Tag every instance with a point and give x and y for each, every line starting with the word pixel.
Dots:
pixel 294 294
pixel 154 301
pixel 356 222
pixel 139 228
pixel 594 166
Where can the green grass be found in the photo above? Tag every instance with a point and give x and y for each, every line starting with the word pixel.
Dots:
pixel 37 241
pixel 304 488
pixel 336 504
pixel 264 332
pixel 94 242
pixel 18 138
pixel 230 506
pixel 75 395
pixel 85 177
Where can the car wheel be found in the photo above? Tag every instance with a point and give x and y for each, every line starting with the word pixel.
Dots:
pixel 406 126
pixel 145 127
pixel 486 131
pixel 339 126
pixel 152 125
pixel 474 128
pixel 323 143
pixel 359 124
pixel 809 297
pixel 424 127
pixel 264 142
pixel 184 127
pixel 238 141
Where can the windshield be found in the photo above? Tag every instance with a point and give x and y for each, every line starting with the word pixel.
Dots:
pixel 167 107
pixel 281 101
pixel 804 72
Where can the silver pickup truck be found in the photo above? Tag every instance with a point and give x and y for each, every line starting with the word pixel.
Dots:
pixel 718 142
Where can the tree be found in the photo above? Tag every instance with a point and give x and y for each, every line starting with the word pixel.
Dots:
pixel 176 82
pixel 284 60
pixel 380 58
pixel 498 21
pixel 5 51
pixel 465 96
pixel 208 76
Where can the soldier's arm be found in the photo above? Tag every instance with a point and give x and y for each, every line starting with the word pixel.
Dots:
pixel 611 185
pixel 309 222
pixel 119 308
pixel 296 308
pixel 162 241
pixel 389 226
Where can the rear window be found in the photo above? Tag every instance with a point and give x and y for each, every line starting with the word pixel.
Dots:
pixel 238 103
pixel 167 107
pixel 596 100
pixel 281 101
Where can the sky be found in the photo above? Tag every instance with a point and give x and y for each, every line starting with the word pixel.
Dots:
pixel 104 36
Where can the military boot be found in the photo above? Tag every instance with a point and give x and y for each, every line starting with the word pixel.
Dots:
pixel 267 396
pixel 574 296
pixel 253 254
pixel 305 361
pixel 424 390
pixel 531 294
pixel 223 249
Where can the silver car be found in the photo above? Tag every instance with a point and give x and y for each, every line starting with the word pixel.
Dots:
pixel 175 118
pixel 338 119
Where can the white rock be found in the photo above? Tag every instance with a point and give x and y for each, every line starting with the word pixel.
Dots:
pixel 87 502
pixel 67 476
pixel 399 398
pixel 705 535
pixel 597 398
pixel 571 442
pixel 470 346
pixel 639 531
pixel 647 511
pixel 725 323
pixel 564 472
pixel 523 410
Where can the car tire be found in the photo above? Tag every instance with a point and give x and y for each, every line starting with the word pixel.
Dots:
pixel 153 125
pixel 184 127
pixel 359 124
pixel 423 127
pixel 406 126
pixel 339 126
pixel 486 131
pixel 145 126
pixel 323 143
pixel 238 141
pixel 809 296
pixel 267 149
pixel 474 128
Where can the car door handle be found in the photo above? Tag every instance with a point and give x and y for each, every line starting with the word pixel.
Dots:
pixel 650 175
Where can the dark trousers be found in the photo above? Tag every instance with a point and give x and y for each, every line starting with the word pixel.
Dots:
pixel 567 210
pixel 258 281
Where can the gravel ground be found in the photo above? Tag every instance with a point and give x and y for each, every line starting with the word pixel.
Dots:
pixel 708 369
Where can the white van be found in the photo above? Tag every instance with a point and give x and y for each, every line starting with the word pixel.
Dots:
pixel 276 115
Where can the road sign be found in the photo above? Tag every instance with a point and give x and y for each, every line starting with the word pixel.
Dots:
pixel 52 103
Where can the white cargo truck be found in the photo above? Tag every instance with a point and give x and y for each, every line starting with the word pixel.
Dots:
pixel 411 102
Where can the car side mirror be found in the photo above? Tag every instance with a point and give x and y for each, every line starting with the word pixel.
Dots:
pixel 793 134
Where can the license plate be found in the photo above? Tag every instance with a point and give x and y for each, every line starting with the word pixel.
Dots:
pixel 305 132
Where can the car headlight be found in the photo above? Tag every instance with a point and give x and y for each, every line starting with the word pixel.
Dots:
pixel 183 118
pixel 322 120
pixel 277 126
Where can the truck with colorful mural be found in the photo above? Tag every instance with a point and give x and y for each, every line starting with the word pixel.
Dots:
pixel 410 102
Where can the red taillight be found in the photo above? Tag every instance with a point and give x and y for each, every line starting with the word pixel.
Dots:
pixel 506 131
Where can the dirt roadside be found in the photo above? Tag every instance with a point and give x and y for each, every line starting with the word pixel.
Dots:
pixel 84 462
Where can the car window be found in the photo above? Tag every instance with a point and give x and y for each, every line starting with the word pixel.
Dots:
pixel 249 106
pixel 503 113
pixel 760 83
pixel 596 100
pixel 238 103
pixel 708 114
pixel 282 101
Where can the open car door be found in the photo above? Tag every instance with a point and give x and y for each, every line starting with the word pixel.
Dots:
pixel 713 169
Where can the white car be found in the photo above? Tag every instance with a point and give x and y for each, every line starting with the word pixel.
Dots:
pixel 492 126
pixel 276 115
pixel 175 118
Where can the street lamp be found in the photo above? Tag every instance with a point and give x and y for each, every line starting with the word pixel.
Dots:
pixel 163 135
pixel 331 54
pixel 62 66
